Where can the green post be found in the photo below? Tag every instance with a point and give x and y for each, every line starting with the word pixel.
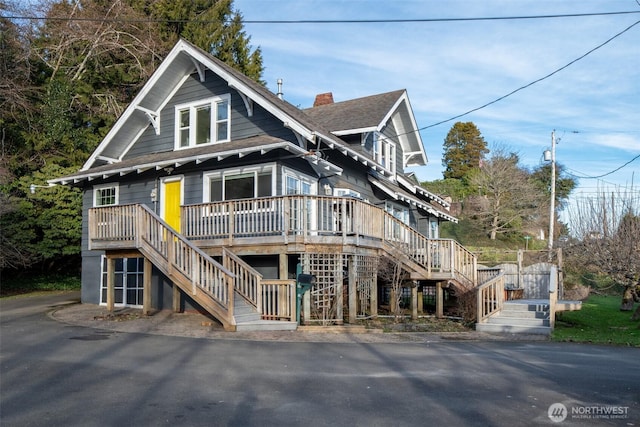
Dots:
pixel 303 284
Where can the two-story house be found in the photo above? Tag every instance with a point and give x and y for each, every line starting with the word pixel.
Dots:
pixel 213 192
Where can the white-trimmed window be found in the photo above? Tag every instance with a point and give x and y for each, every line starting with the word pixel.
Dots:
pixel 297 183
pixel 105 195
pixel 234 184
pixel 203 122
pixel 398 211
pixel 128 281
pixel 382 150
pixel 345 192
pixel 434 231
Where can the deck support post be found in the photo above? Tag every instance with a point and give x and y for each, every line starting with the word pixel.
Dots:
pixel 374 299
pixel 283 266
pixel 439 300
pixel 111 277
pixel 146 288
pixel 353 291
pixel 176 299
pixel 414 301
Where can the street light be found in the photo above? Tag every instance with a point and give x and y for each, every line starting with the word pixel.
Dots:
pixel 551 156
pixel 32 187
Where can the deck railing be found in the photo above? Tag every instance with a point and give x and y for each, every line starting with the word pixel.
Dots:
pixel 317 217
pixel 278 300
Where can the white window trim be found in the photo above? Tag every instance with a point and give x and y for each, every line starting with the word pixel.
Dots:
pixel 313 182
pixel 192 106
pixel 97 188
pixel 256 170
pixel 346 192
pixel 382 148
pixel 103 285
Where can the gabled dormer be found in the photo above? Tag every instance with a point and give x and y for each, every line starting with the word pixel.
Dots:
pixel 381 128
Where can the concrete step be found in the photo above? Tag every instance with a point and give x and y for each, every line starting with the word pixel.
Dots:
pixel 247 317
pixel 244 309
pixel 266 325
pixel 513 329
pixel 502 320
pixel 513 314
pixel 518 306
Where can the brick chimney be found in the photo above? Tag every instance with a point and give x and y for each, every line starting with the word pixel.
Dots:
pixel 323 99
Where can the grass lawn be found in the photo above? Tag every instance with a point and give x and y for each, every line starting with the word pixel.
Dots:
pixel 599 322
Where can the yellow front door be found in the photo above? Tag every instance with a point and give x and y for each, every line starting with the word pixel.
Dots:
pixel 172 199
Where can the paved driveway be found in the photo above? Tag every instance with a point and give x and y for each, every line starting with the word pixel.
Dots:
pixel 57 374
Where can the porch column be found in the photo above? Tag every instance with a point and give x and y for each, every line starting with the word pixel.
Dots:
pixel 414 301
pixel 353 291
pixel 420 300
pixel 111 278
pixel 374 298
pixel 439 300
pixel 146 288
pixel 283 266
pixel 306 308
pixel 339 301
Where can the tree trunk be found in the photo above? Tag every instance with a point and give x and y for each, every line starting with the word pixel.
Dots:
pixel 627 299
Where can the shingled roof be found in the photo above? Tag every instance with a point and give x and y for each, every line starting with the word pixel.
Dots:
pixel 358 113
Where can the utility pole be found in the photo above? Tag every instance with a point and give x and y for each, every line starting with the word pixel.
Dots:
pixel 552 205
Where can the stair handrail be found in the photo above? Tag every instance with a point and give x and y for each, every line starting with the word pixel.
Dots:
pixel 144 229
pixel 432 253
pixel 247 280
pixel 490 297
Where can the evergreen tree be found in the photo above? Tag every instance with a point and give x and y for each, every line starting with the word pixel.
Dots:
pixel 464 150
pixel 64 82
pixel 212 25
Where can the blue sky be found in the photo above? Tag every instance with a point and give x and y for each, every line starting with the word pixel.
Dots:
pixel 449 68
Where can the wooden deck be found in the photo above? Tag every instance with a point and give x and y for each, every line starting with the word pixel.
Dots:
pixel 274 225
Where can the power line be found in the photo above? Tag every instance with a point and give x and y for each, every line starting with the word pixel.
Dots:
pixel 605 174
pixel 533 82
pixel 329 21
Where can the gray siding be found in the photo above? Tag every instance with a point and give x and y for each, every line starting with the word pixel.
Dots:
pixel 242 126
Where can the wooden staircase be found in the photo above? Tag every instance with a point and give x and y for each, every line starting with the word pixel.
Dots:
pixel 218 289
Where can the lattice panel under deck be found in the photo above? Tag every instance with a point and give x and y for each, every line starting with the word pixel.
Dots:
pixel 328 269
pixel 366 273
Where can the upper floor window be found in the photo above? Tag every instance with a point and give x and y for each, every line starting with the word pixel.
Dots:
pixel 105 195
pixel 296 183
pixel 203 122
pixel 345 192
pixel 382 150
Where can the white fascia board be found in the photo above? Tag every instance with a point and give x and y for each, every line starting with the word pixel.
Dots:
pixel 354 131
pixel 416 189
pixel 133 105
pixel 392 110
pixel 347 151
pixel 199 158
pixel 164 103
pixel 404 98
pixel 384 188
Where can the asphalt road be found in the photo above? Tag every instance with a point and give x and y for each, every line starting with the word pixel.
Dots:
pixel 52 374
